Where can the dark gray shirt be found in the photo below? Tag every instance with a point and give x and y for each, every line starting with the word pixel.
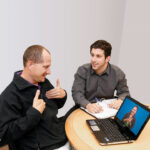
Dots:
pixel 88 85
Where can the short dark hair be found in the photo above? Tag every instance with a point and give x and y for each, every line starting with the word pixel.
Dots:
pixel 104 45
pixel 34 53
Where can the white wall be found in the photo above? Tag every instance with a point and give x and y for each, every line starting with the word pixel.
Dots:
pixel 85 22
pixel 135 51
pixel 67 28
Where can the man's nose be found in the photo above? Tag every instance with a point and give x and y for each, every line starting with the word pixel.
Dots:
pixel 48 71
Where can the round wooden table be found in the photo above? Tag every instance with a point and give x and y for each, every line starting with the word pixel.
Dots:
pixel 81 137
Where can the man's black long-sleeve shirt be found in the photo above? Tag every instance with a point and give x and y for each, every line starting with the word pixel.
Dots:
pixel 22 124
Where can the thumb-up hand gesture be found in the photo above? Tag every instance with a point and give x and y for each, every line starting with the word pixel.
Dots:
pixel 57 92
pixel 38 104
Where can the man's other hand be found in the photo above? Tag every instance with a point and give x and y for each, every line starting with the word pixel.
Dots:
pixel 116 104
pixel 94 108
pixel 57 92
pixel 38 104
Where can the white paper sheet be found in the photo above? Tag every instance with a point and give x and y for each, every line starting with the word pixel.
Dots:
pixel 107 111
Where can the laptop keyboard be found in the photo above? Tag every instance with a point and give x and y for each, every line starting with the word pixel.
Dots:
pixel 111 131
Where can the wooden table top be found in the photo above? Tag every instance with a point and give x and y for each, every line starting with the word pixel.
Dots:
pixel 81 137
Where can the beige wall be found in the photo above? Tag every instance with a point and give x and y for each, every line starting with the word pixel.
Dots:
pixel 67 28
pixel 135 51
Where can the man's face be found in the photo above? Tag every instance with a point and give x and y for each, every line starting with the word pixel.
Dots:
pixel 98 60
pixel 39 71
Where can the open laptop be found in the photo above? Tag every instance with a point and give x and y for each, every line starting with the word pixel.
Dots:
pixel 125 127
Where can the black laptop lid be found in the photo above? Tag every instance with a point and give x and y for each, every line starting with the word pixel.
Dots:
pixel 133 116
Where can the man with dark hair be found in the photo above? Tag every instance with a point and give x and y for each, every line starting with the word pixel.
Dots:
pixel 99 79
pixel 28 119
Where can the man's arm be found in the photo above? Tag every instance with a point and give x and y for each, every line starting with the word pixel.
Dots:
pixel 14 125
pixel 78 92
pixel 79 88
pixel 122 90
pixel 58 95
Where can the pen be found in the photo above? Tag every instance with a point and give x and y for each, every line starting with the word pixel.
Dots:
pixel 96 99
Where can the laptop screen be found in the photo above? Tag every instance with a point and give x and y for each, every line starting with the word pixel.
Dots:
pixel 133 115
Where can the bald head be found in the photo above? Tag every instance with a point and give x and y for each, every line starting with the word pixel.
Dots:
pixel 34 53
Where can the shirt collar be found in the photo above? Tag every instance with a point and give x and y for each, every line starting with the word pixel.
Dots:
pixel 21 83
pixel 107 71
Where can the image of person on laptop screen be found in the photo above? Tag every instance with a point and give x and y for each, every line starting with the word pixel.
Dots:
pixel 129 118
pixel 99 79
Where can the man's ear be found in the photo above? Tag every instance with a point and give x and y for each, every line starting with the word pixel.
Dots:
pixel 29 64
pixel 108 58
